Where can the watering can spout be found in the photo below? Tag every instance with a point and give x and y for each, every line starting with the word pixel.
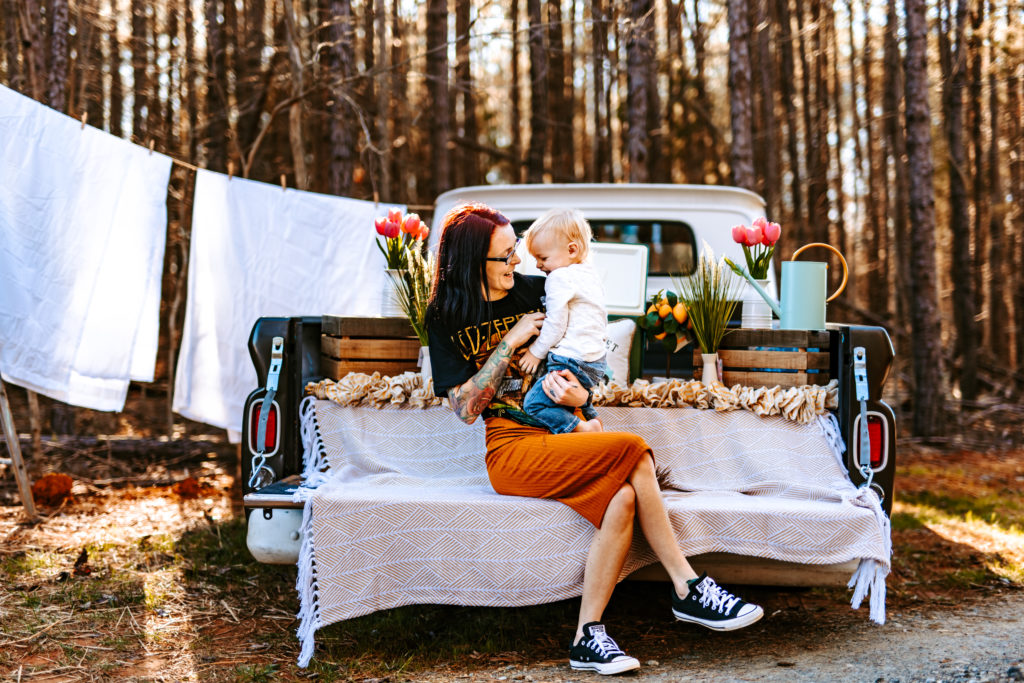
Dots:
pixel 757 288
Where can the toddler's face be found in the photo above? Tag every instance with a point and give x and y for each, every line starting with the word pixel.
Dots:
pixel 553 253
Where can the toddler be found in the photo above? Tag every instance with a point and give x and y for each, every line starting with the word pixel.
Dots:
pixel 574 332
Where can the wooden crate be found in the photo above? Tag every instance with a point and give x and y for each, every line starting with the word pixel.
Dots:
pixel 385 345
pixel 772 357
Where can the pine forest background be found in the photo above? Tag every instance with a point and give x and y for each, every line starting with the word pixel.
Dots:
pixel 890 129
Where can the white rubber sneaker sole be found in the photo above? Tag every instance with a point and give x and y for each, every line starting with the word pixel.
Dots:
pixel 725 624
pixel 617 666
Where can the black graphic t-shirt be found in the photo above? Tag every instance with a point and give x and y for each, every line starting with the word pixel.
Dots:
pixel 457 355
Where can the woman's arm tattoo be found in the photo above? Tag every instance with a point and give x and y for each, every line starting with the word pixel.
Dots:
pixel 471 398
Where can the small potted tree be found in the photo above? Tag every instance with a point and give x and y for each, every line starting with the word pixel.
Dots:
pixel 710 296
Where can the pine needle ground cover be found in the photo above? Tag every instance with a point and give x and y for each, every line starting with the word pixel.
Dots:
pixel 165 589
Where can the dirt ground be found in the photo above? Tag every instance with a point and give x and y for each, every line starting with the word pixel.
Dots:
pixel 142 575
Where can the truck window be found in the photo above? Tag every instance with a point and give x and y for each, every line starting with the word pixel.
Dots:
pixel 671 246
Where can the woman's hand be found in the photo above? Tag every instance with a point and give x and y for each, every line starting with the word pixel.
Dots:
pixel 523 331
pixel 563 388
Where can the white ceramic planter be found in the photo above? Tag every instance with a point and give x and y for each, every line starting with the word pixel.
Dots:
pixel 756 313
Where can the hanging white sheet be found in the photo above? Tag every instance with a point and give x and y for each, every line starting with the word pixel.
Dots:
pixel 83 222
pixel 258 250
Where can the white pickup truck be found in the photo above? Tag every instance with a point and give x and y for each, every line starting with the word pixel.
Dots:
pixel 674 222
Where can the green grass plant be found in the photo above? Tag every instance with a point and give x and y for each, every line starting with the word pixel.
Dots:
pixel 710 295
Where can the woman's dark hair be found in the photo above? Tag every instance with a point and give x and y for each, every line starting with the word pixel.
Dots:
pixel 456 296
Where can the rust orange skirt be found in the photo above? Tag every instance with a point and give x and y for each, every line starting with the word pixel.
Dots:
pixel 582 469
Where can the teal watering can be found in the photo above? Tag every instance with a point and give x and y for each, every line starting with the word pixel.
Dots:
pixel 804 284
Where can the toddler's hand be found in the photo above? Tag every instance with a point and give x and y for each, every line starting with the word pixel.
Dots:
pixel 529 363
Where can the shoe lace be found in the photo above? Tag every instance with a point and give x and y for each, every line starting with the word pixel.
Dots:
pixel 603 644
pixel 717 598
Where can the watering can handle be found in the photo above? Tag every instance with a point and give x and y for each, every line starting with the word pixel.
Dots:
pixel 846 271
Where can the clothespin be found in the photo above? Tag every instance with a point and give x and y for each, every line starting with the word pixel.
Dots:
pixel 284 184
pixel 231 169
pixel 85 117
pixel 152 143
pixel 376 199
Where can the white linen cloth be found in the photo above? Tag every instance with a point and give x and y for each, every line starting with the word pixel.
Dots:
pixel 404 512
pixel 258 250
pixel 575 322
pixel 83 224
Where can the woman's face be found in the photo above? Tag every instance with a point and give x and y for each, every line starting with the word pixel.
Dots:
pixel 499 273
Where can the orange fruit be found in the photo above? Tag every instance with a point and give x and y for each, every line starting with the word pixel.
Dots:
pixel 664 311
pixel 679 312
pixel 653 308
pixel 660 336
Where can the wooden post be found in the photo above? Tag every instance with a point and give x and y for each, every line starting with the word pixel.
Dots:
pixel 35 424
pixel 14 447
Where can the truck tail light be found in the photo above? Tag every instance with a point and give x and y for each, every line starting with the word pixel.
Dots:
pixel 254 424
pixel 876 430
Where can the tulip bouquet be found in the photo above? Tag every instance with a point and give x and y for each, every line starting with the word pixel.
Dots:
pixel 400 233
pixel 758 246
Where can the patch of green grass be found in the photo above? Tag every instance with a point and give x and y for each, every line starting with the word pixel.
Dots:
pixel 902 521
pixel 255 673
pixel 968 577
pixel 32 562
pixel 119 642
pixel 1003 512
pixel 218 556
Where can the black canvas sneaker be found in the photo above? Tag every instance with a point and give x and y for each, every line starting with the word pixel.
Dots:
pixel 596 651
pixel 710 605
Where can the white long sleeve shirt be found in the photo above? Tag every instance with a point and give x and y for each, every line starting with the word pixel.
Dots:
pixel 576 321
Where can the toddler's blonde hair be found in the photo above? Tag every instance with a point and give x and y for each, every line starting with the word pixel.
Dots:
pixel 567 224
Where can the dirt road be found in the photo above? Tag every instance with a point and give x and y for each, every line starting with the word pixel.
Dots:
pixel 977 642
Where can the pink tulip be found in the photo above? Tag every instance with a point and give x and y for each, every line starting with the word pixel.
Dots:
pixel 392 229
pixel 395 216
pixel 739 234
pixel 424 231
pixel 379 224
pixel 760 222
pixel 771 234
pixel 411 224
pixel 754 235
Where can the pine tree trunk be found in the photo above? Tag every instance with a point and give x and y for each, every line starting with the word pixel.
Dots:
pixel 599 43
pixel 538 94
pixel 655 134
pixel 898 262
pixel 1014 100
pixel 250 91
pixel 767 87
pixel 191 103
pixel 817 139
pixel 56 87
pixel 340 58
pixel 876 285
pixel 978 147
pixel 959 212
pixel 468 166
pixel 560 108
pixel 33 43
pixel 788 95
pixel 997 310
pixel 437 79
pixel 216 89
pixel 517 112
pixel 11 43
pixel 140 88
pixel 639 55
pixel 740 95
pixel 929 393
pixel 116 115
pixel 400 106
pixel 296 135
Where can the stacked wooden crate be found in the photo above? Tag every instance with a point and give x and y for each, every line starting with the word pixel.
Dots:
pixel 787 358
pixel 385 345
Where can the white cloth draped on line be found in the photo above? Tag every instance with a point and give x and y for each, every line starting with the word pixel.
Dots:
pixel 83 223
pixel 258 250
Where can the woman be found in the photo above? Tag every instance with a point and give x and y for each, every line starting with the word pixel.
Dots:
pixel 480 317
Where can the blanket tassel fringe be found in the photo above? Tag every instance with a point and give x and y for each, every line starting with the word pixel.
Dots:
pixel 315 456
pixel 870 575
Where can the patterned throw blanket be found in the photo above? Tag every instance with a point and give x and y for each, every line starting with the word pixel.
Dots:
pixel 403 512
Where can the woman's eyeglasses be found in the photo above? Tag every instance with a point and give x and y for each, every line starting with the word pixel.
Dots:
pixel 505 259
